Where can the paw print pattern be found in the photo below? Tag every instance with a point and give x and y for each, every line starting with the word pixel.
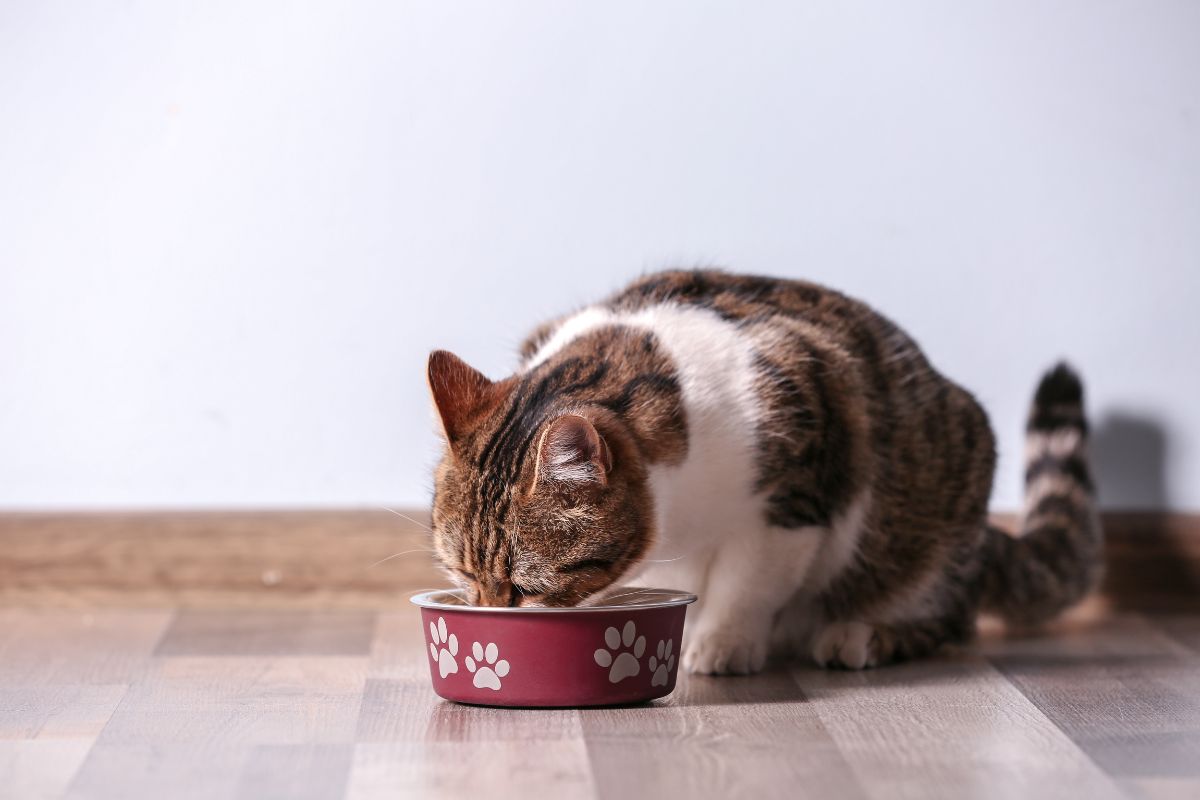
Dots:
pixel 487 675
pixel 662 664
pixel 625 663
pixel 442 649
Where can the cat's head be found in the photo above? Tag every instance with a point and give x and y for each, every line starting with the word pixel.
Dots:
pixel 534 504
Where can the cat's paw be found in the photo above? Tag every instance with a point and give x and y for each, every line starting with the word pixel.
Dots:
pixel 851 645
pixel 725 651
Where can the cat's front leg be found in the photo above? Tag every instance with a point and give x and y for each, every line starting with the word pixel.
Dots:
pixel 752 576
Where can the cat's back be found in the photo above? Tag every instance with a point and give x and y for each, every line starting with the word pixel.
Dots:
pixel 776 312
pixel 738 297
pixel 749 303
pixel 828 391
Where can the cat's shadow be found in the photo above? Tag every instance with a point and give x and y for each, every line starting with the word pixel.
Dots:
pixel 775 685
pixel 1129 457
pixel 1146 566
pixel 801 681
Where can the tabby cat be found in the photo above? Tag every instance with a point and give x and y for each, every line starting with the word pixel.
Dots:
pixel 778 448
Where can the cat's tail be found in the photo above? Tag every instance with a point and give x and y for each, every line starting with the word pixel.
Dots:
pixel 1057 558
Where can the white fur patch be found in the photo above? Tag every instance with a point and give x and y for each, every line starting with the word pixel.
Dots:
pixel 571 329
pixel 710 519
pixel 1057 444
pixel 841 542
pixel 710 493
pixel 1054 485
pixel 848 644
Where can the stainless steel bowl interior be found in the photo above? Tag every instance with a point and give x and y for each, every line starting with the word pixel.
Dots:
pixel 625 597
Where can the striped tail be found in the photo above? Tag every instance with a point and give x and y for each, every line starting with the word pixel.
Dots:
pixel 1057 558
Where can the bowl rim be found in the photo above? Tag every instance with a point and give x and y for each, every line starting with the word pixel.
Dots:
pixel 427 600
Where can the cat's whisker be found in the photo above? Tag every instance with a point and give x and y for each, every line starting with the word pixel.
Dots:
pixel 402 553
pixel 416 592
pixel 663 560
pixel 619 595
pixel 630 590
pixel 416 522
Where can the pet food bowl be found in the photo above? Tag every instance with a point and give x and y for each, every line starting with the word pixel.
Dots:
pixel 624 650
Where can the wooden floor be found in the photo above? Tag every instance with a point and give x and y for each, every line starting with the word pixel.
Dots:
pixel 312 704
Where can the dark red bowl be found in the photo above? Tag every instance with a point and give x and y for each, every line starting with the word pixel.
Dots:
pixel 625 650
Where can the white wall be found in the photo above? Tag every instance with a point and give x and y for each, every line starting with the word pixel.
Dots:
pixel 231 232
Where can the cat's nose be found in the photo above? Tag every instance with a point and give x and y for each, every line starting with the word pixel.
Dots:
pixel 497 594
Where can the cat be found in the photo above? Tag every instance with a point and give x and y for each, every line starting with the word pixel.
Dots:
pixel 774 446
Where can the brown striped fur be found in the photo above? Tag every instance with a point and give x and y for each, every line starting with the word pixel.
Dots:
pixel 516 539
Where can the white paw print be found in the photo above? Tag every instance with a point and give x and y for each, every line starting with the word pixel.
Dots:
pixel 487 676
pixel 662 665
pixel 625 665
pixel 443 656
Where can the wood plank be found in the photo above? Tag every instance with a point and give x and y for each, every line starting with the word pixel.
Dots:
pixel 221 726
pixel 327 559
pixel 1160 788
pixel 1182 628
pixel 1126 693
pixel 947 727
pixel 206 770
pixel 256 632
pixel 46 731
pixel 296 772
pixel 42 768
pixel 62 675
pixel 48 646
pixel 1094 707
pixel 57 711
pixel 288 700
pixel 399 637
pixel 413 744
pixel 718 737
pixel 449 769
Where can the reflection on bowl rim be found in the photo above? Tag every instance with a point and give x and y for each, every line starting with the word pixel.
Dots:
pixel 668 598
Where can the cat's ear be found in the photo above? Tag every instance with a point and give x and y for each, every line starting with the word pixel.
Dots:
pixel 461 393
pixel 571 451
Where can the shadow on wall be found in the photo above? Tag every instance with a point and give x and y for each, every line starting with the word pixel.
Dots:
pixel 1148 563
pixel 1129 455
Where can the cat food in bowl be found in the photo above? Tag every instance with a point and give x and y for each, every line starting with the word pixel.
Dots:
pixel 622 650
